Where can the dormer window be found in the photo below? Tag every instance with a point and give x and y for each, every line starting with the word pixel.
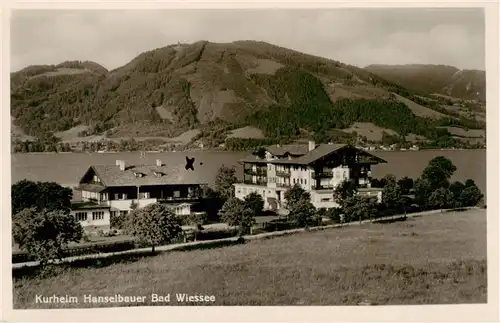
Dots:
pixel 158 174
pixel 137 174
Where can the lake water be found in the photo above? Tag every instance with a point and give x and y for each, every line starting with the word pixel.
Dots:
pixel 67 168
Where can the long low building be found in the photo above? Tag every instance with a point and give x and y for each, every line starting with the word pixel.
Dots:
pixel 113 190
pixel 318 169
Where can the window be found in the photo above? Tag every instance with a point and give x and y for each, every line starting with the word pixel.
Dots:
pixel 301 181
pixel 305 181
pixel 117 196
pixel 81 216
pixel 294 180
pixel 123 213
pixel 114 213
pixel 124 196
pixel 177 194
pixel 99 215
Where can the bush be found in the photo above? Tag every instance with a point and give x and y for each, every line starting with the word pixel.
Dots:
pixel 45 234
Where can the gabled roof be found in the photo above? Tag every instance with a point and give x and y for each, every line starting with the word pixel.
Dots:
pixel 320 151
pixel 306 158
pixel 294 149
pixel 112 176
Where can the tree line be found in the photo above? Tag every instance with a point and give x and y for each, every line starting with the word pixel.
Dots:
pixel 43 225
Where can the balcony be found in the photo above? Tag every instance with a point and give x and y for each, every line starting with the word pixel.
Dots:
pixel 283 185
pixel 322 187
pixel 283 173
pixel 257 182
pixel 325 174
pixel 257 172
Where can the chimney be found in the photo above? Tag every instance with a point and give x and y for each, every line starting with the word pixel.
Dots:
pixel 158 163
pixel 122 165
pixel 312 145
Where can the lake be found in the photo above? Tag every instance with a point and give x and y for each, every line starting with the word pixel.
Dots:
pixel 67 168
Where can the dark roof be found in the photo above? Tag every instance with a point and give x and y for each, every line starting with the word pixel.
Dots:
pixel 294 149
pixel 88 205
pixel 320 151
pixel 306 158
pixel 111 175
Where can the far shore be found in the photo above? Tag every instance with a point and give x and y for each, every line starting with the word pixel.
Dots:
pixel 215 150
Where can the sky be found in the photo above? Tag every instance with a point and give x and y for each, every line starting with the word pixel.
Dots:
pixel 354 36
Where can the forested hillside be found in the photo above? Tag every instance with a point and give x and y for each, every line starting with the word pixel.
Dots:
pixel 218 87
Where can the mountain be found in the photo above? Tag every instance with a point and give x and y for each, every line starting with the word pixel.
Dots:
pixel 222 86
pixel 440 79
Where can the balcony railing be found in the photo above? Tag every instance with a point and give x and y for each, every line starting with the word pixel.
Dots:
pixel 324 174
pixel 257 182
pixel 257 172
pixel 283 173
pixel 322 187
pixel 283 185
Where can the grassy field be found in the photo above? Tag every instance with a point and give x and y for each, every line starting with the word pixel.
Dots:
pixel 435 259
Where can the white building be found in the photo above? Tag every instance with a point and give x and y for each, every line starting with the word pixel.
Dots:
pixel 318 169
pixel 112 190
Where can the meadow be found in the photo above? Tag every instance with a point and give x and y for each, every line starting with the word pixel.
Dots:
pixel 434 259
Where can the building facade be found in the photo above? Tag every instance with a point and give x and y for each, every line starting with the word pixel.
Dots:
pixel 318 169
pixel 114 190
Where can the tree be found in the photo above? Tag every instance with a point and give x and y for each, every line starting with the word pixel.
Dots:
pixel 392 195
pixel 224 181
pixel 294 195
pixel 470 196
pixel 389 179
pixel 236 213
pixel 211 203
pixel 422 190
pixel 379 183
pixel 469 183
pixel 359 208
pixel 406 184
pixel 438 172
pixel 154 224
pixel 345 190
pixel 302 211
pixel 254 202
pixel 441 198
pixel 41 195
pixel 456 189
pixel 44 234
pixel 261 152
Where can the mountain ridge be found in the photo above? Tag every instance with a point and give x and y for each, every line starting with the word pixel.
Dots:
pixel 441 79
pixel 180 87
